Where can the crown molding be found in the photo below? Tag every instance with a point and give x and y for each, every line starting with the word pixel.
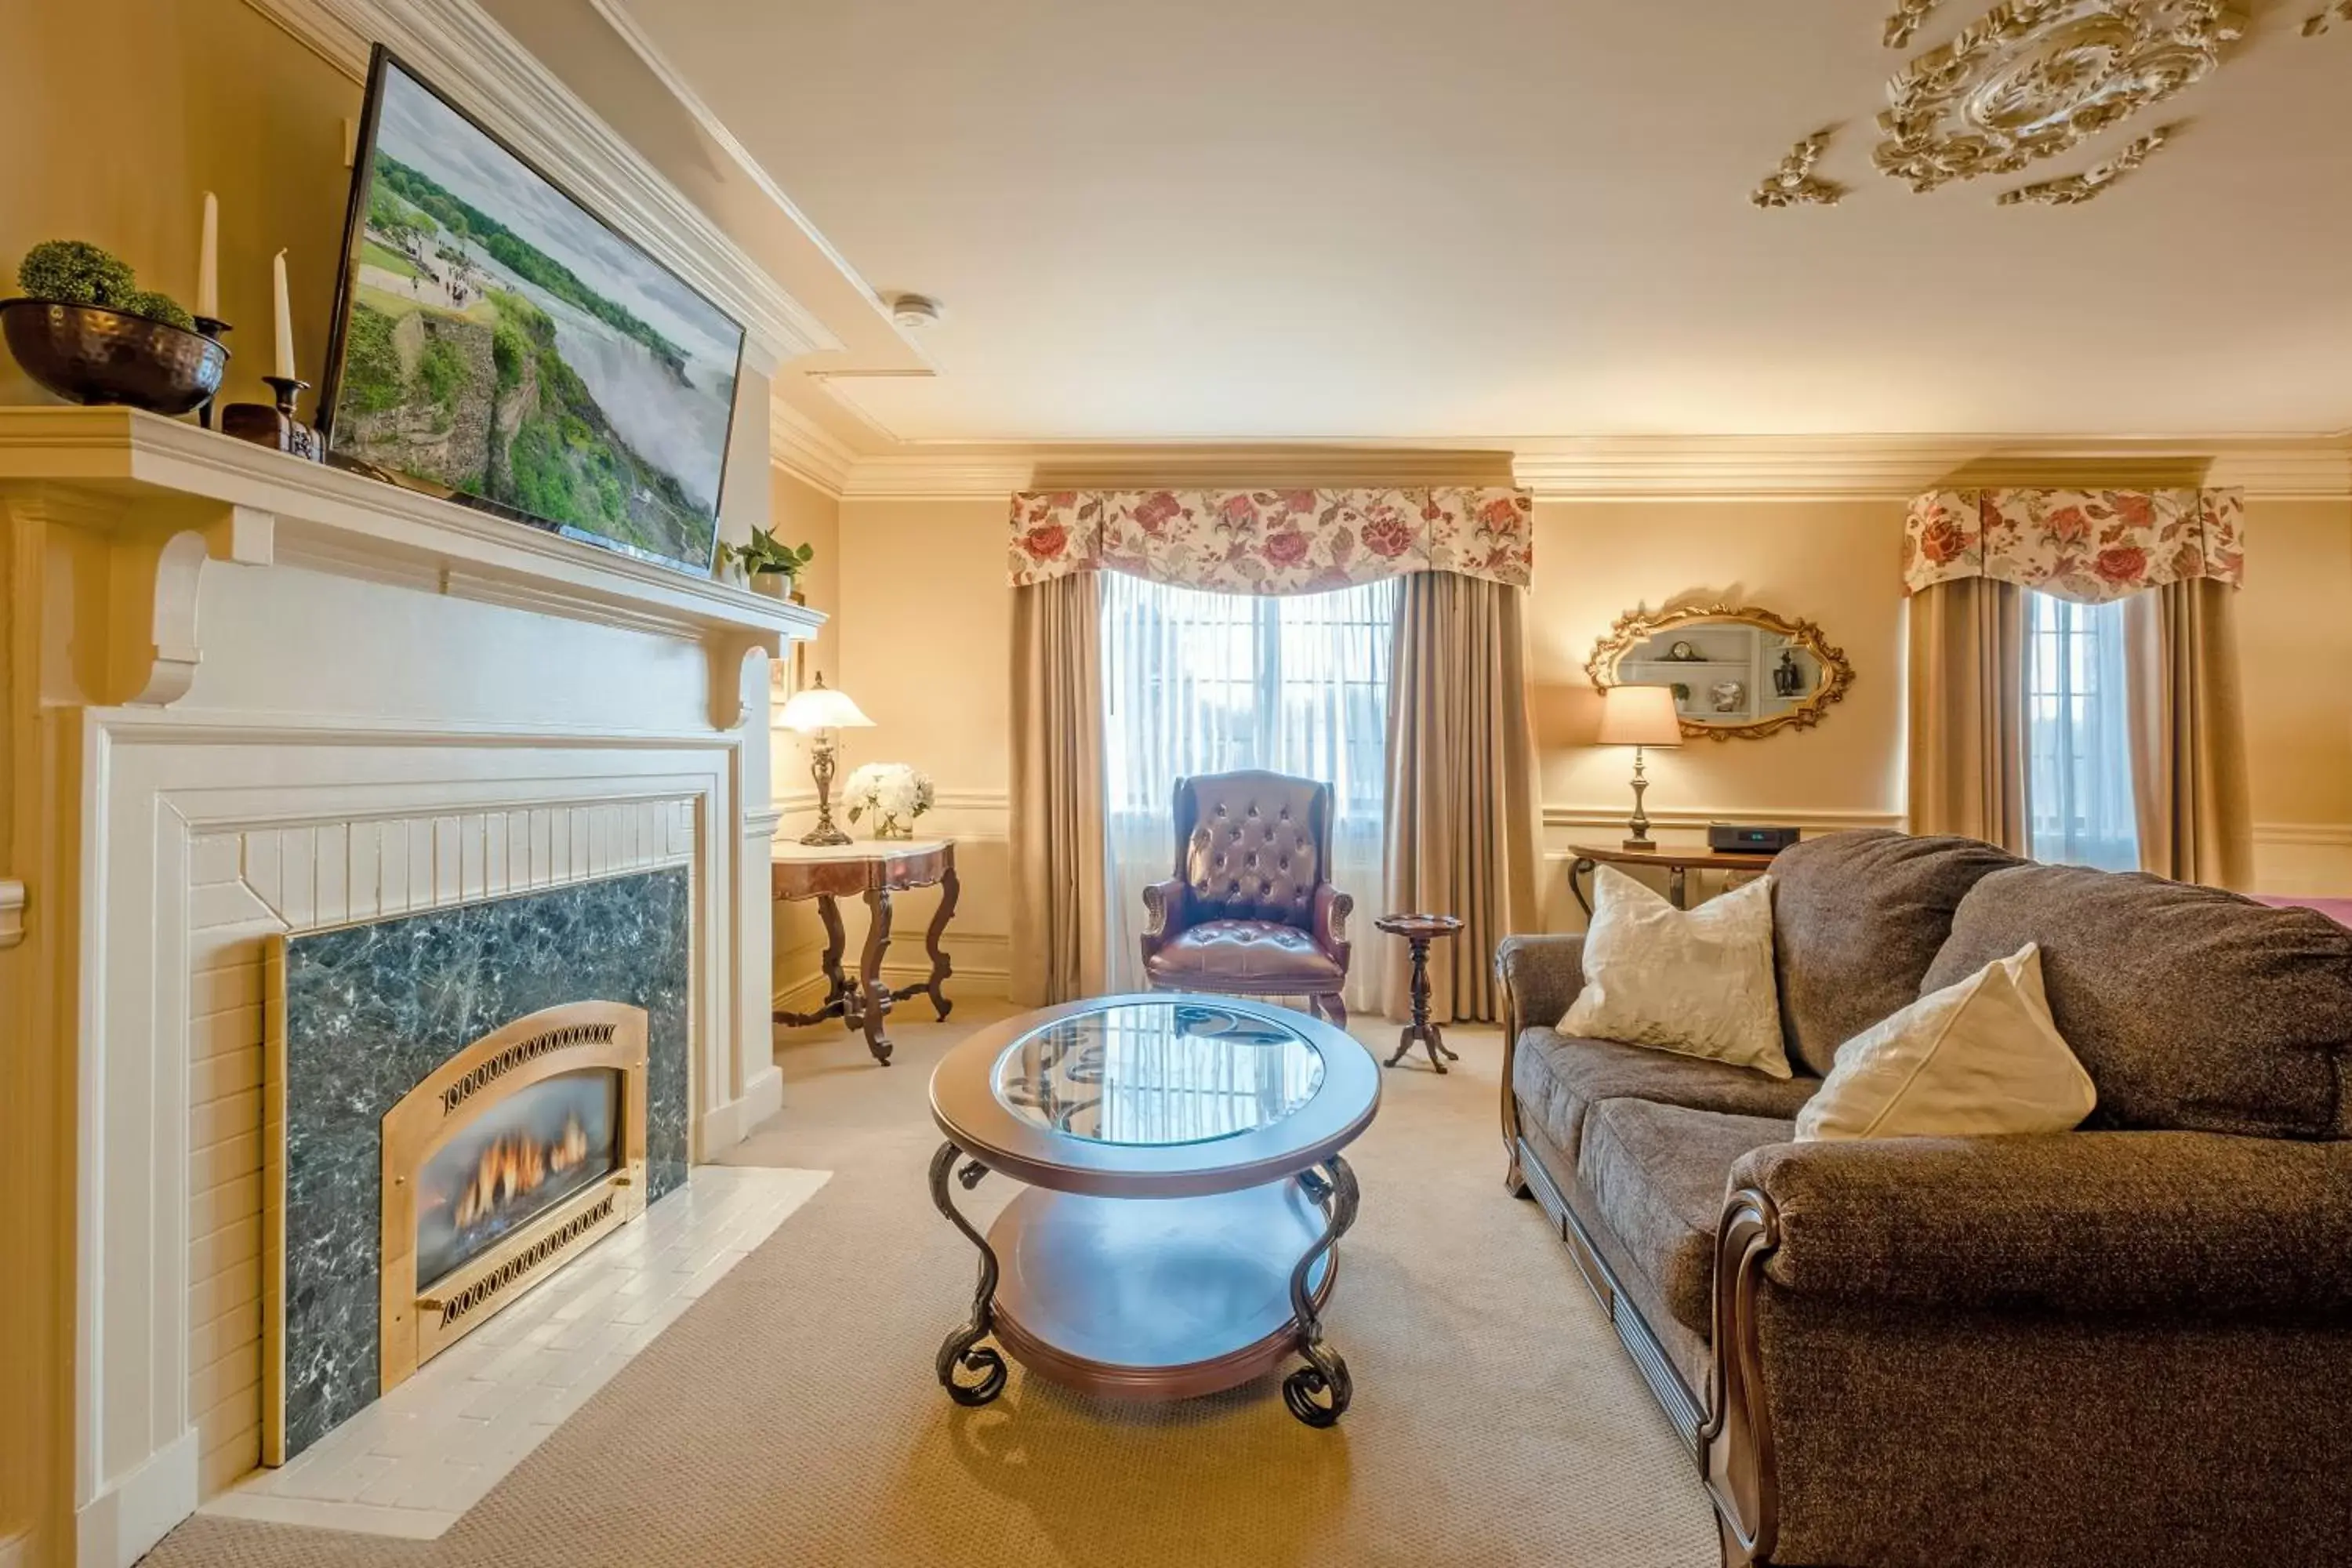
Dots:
pixel 463 51
pixel 807 450
pixel 1895 468
pixel 1592 468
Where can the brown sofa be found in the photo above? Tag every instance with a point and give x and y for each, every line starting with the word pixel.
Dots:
pixel 2125 1345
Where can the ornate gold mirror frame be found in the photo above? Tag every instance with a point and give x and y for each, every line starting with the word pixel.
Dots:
pixel 1637 626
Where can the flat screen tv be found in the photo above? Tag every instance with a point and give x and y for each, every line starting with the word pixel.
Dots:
pixel 496 342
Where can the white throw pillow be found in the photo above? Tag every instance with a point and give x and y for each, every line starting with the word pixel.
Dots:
pixel 1979 1057
pixel 1696 982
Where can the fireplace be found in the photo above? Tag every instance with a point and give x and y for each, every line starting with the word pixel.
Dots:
pixel 511 1157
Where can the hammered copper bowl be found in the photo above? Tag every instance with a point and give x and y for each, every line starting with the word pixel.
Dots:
pixel 89 354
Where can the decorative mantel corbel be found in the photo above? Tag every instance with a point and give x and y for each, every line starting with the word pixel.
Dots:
pixel 731 673
pixel 140 570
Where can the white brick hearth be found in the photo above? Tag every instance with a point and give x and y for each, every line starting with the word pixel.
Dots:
pixel 414 1461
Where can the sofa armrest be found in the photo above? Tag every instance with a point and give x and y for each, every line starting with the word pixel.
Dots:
pixel 2171 1223
pixel 1540 976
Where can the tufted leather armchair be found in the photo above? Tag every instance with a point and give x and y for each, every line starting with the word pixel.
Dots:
pixel 1251 909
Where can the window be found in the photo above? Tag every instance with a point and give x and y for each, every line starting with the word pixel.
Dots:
pixel 2078 743
pixel 1198 682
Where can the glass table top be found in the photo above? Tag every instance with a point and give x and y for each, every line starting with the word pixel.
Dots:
pixel 1157 1073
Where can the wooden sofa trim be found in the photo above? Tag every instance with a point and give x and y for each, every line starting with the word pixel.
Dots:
pixel 1514 1176
pixel 1737 1459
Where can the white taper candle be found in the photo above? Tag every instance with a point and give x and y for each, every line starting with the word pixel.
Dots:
pixel 284 320
pixel 208 261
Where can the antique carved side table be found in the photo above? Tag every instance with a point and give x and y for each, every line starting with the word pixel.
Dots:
pixel 872 869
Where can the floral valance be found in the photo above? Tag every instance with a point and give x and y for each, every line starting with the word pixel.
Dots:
pixel 2087 545
pixel 1274 541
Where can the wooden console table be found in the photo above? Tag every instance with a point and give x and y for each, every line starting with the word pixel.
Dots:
pixel 1679 863
pixel 873 868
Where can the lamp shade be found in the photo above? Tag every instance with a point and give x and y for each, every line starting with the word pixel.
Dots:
pixel 822 708
pixel 1639 716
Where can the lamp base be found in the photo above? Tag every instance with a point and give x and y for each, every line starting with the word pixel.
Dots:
pixel 828 835
pixel 1645 845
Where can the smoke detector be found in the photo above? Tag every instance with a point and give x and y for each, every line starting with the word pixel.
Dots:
pixel 914 310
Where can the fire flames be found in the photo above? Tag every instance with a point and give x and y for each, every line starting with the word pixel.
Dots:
pixel 516 1165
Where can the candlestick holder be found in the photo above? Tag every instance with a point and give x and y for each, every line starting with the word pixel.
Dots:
pixel 211 327
pixel 276 428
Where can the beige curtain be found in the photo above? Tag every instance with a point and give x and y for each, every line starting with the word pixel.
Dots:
pixel 2189 735
pixel 1057 791
pixel 1461 819
pixel 1967 711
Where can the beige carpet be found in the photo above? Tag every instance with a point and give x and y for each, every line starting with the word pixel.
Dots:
pixel 791 1417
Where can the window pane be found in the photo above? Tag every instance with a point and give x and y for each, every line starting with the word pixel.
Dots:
pixel 2078 743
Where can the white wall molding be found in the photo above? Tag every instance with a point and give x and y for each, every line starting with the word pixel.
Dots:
pixel 1614 817
pixel 2318 834
pixel 458 48
pixel 2304 859
pixel 1598 469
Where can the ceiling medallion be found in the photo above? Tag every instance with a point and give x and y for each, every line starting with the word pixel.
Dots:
pixel 2033 77
pixel 2073 189
pixel 2339 11
pixel 1794 181
pixel 1905 25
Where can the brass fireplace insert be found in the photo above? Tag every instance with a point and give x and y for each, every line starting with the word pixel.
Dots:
pixel 500 1167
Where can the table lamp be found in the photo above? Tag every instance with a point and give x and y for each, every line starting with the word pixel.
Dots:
pixel 817 712
pixel 1639 716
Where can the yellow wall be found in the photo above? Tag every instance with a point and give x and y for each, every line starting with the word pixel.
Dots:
pixel 925 627
pixel 2295 635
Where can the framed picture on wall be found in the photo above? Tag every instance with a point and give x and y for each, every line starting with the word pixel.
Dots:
pixel 498 343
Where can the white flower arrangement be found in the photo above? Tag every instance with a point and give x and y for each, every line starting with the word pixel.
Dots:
pixel 896 794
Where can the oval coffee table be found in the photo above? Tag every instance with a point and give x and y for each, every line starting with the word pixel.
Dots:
pixel 1183 1194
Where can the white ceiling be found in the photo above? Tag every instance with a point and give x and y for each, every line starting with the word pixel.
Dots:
pixel 1311 219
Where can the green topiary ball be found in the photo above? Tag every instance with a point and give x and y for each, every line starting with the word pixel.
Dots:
pixel 158 308
pixel 74 272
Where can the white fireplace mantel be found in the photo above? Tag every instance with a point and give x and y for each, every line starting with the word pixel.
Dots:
pixel 172 496
pixel 242 695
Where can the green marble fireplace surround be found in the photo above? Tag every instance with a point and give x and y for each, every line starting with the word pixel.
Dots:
pixel 372 1009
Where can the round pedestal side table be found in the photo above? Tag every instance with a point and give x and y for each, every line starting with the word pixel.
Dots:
pixel 1184 1192
pixel 1419 931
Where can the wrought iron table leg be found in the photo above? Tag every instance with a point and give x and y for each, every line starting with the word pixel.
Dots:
pixel 1319 1392
pixel 1577 869
pixel 961 1351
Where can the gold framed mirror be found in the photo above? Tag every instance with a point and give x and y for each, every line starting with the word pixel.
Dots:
pixel 1740 671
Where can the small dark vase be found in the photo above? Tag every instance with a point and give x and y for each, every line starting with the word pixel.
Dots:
pixel 87 354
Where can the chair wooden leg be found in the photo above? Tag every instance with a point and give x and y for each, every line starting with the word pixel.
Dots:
pixel 1333 1008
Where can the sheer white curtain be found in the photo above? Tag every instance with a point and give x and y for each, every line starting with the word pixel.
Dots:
pixel 2078 739
pixel 1198 682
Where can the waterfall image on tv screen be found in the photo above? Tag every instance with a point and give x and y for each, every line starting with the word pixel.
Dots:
pixel 498 344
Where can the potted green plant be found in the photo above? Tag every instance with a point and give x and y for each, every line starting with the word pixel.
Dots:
pixel 85 329
pixel 770 566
